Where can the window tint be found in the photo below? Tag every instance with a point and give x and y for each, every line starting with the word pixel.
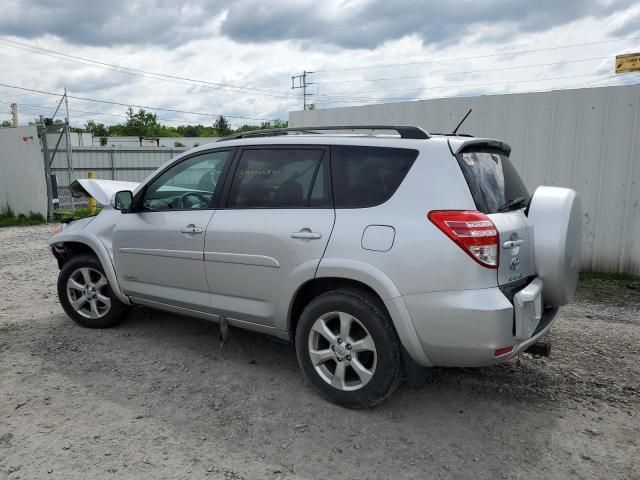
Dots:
pixel 188 185
pixel 278 178
pixel 493 181
pixel 368 176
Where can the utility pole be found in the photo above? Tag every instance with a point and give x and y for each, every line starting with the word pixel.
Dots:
pixel 68 140
pixel 14 114
pixel 300 81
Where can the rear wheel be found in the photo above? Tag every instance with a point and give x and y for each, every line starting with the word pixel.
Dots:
pixel 348 349
pixel 85 294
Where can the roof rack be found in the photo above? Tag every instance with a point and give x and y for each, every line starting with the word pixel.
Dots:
pixel 405 131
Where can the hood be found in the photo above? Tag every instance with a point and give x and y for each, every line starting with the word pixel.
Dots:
pixel 101 190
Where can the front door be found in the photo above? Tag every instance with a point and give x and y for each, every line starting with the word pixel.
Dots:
pixel 158 247
pixel 272 233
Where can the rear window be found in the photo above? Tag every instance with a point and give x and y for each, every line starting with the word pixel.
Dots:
pixel 493 181
pixel 368 176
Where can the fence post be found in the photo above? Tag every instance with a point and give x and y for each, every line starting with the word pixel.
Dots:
pixel 47 168
pixel 113 163
pixel 91 203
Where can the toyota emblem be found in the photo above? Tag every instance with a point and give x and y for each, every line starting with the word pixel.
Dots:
pixel 515 263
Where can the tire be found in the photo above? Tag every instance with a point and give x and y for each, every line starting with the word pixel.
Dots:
pixel 338 360
pixel 73 284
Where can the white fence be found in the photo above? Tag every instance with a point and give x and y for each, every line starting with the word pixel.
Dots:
pixel 22 181
pixel 586 139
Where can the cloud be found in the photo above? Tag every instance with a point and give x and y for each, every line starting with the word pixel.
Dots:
pixel 626 23
pixel 368 24
pixel 109 23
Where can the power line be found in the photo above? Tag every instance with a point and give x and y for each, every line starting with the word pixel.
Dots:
pixel 47 108
pixel 447 74
pixel 163 109
pixel 589 84
pixel 339 96
pixel 145 73
pixel 457 59
pixel 347 99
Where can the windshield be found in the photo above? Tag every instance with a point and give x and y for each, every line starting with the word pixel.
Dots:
pixel 493 181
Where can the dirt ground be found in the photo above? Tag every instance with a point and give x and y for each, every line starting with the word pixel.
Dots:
pixel 158 397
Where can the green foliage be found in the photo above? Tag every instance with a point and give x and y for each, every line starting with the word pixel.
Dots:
pixel 263 126
pixel 178 144
pixel 222 127
pixel 5 124
pixel 145 124
pixel 8 218
pixel 65 215
pixel 608 286
pixel 96 129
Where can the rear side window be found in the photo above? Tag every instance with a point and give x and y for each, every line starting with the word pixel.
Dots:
pixel 493 181
pixel 279 178
pixel 368 176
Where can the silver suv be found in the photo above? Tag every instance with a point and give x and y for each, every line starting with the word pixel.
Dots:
pixel 377 255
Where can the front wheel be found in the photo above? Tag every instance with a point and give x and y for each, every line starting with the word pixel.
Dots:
pixel 348 348
pixel 85 294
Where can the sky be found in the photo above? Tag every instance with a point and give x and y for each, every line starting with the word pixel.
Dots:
pixel 211 57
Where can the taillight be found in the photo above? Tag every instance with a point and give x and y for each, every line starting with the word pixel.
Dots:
pixel 473 231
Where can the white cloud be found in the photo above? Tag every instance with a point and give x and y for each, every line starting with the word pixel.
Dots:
pixel 192 41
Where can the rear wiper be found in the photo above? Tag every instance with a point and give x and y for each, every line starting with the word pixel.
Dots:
pixel 512 203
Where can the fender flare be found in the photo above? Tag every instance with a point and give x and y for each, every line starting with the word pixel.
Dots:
pixel 94 243
pixel 380 283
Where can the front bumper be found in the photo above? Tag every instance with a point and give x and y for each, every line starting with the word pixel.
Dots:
pixel 465 328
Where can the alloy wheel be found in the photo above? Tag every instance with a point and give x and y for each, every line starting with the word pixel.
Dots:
pixel 342 351
pixel 86 293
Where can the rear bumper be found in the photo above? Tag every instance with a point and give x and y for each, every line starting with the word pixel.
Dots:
pixel 465 328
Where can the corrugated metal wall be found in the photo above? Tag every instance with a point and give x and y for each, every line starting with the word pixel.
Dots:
pixel 586 139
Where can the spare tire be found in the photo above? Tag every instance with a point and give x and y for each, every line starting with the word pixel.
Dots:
pixel 556 216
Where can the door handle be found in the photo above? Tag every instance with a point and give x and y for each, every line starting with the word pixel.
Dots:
pixel 513 243
pixel 306 234
pixel 191 229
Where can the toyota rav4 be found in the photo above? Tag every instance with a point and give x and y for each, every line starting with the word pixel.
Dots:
pixel 376 254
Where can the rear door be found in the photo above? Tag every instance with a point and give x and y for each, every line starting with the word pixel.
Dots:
pixel 499 192
pixel 269 238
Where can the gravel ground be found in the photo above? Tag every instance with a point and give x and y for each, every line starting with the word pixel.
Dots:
pixel 158 397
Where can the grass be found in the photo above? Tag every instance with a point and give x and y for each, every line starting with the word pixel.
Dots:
pixel 67 216
pixel 608 286
pixel 8 218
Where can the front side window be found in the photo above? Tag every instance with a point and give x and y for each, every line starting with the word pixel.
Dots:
pixel 188 185
pixel 279 178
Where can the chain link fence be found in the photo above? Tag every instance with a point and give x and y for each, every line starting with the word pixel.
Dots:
pixel 127 164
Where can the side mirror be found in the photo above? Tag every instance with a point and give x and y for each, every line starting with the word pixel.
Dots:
pixel 122 200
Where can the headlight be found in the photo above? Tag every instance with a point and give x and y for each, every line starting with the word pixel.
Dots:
pixel 58 229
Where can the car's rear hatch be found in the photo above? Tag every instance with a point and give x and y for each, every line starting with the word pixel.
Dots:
pixel 498 192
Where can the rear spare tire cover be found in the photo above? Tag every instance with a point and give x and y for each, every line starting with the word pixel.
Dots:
pixel 556 216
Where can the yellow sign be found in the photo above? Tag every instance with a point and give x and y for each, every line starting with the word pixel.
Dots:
pixel 629 62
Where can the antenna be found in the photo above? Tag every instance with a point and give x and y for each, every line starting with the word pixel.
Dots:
pixel 462 121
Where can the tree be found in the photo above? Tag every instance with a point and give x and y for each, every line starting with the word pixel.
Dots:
pixel 222 127
pixel 141 123
pixel 5 124
pixel 96 129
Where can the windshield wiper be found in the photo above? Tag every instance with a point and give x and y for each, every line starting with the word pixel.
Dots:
pixel 512 203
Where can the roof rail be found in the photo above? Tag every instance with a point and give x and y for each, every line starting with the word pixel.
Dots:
pixel 405 131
